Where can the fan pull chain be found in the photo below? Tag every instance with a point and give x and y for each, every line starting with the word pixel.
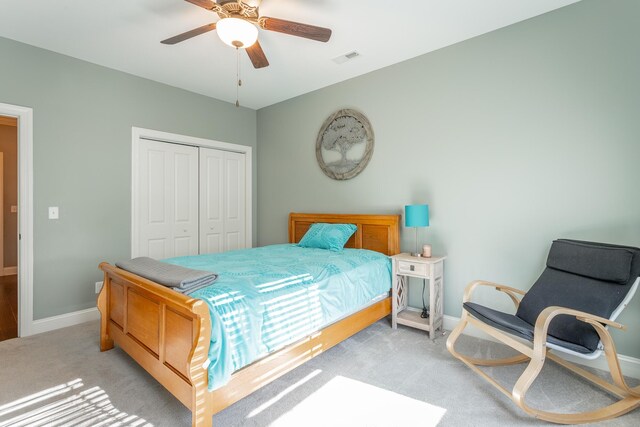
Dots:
pixel 239 81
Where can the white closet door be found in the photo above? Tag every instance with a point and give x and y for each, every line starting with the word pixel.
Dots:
pixel 234 201
pixel 222 200
pixel 211 190
pixel 168 199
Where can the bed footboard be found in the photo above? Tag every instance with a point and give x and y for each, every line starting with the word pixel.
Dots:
pixel 167 333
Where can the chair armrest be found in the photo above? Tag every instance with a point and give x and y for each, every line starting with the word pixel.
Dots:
pixel 512 292
pixel 546 315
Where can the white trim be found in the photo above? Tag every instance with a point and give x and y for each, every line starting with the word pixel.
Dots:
pixel 8 271
pixel 63 320
pixel 630 365
pixel 141 133
pixel 25 214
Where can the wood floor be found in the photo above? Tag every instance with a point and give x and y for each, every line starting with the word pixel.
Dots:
pixel 8 307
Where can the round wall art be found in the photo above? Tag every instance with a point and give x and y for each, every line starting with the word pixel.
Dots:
pixel 344 145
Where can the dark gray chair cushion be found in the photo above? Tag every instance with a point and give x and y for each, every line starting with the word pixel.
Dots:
pixel 503 321
pixel 585 276
pixel 515 326
pixel 597 262
pixel 564 289
pixel 589 294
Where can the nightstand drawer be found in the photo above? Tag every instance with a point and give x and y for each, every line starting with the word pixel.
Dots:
pixel 407 267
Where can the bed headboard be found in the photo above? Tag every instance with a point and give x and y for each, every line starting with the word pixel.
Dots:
pixel 378 233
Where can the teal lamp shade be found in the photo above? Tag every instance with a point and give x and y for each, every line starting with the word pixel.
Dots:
pixel 416 215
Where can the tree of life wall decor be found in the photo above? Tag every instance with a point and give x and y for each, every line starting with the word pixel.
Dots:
pixel 345 144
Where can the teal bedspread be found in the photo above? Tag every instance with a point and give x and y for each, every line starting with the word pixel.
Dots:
pixel 266 298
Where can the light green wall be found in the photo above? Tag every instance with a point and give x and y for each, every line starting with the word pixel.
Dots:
pixel 83 114
pixel 514 138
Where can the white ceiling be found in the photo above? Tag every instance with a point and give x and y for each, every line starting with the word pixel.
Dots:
pixel 125 35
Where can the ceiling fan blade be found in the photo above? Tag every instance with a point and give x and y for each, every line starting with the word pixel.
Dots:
pixel 205 4
pixel 189 34
pixel 257 56
pixel 295 29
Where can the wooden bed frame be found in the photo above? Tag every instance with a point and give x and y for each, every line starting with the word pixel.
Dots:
pixel 168 333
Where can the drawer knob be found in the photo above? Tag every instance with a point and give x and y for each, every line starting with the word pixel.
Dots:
pixel 412 267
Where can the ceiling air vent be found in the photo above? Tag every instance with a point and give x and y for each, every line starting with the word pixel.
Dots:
pixel 346 57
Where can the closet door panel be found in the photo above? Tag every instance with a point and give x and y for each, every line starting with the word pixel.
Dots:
pixel 211 201
pixel 168 214
pixel 185 195
pixel 234 200
pixel 156 248
pixel 155 215
pixel 155 182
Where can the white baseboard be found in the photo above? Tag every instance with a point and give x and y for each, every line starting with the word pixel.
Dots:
pixel 630 365
pixel 8 271
pixel 62 321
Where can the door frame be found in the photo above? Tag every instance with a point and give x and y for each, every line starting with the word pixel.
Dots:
pixel 138 134
pixel 25 214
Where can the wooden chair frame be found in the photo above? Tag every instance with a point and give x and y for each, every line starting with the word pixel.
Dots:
pixel 168 333
pixel 536 355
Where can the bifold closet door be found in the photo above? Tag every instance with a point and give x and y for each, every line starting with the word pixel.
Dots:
pixel 222 200
pixel 168 186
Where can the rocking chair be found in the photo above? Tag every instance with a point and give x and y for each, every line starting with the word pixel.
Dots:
pixel 583 289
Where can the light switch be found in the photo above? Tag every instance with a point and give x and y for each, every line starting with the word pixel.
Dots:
pixel 53 212
pixel 14 209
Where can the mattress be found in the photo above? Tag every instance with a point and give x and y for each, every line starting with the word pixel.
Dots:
pixel 266 298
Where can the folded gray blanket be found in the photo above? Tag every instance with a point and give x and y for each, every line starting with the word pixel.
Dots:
pixel 181 279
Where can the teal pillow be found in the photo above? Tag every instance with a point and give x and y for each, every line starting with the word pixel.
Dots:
pixel 327 236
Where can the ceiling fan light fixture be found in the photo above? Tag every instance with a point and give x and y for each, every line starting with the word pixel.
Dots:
pixel 237 32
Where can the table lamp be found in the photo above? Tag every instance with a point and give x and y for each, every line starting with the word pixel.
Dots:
pixel 416 216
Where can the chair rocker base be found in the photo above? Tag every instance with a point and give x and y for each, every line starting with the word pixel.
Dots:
pixel 629 398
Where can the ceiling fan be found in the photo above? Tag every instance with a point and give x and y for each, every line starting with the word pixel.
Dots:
pixel 238 27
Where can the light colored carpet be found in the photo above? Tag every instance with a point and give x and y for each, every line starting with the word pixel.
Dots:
pixel 379 377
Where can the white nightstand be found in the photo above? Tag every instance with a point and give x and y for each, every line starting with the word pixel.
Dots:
pixel 431 269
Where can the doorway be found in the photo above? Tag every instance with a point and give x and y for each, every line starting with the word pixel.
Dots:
pixel 24 116
pixel 8 227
